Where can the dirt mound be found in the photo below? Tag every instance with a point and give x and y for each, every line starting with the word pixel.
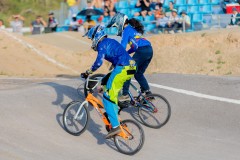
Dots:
pixel 210 52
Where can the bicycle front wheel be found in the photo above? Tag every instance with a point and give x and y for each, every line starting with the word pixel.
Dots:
pixel 154 111
pixel 75 118
pixel 135 141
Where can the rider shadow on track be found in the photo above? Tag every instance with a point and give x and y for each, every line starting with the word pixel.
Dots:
pixel 75 95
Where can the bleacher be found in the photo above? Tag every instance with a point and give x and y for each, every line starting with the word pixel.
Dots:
pixel 201 13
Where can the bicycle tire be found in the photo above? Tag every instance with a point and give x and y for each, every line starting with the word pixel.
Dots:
pixel 119 141
pixel 69 118
pixel 91 84
pixel 157 116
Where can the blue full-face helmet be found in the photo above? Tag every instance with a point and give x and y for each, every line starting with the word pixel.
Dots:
pixel 118 21
pixel 96 33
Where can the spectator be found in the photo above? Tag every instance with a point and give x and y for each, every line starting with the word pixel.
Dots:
pixel 37 25
pixel 73 7
pixel 89 4
pixel 174 22
pixel 52 22
pixel 235 18
pixel 2 24
pixel 145 8
pixel 168 10
pixel 74 24
pixel 158 10
pixel 185 20
pixel 109 8
pixel 17 23
pixel 162 22
pixel 89 23
pixel 98 4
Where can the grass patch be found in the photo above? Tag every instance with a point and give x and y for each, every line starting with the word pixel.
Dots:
pixel 228 73
pixel 3 73
pixel 219 67
pixel 210 61
pixel 203 34
pixel 218 52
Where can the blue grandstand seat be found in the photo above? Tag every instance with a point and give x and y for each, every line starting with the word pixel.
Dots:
pixel 124 11
pixel 95 18
pixel 106 19
pixel 122 4
pixel 140 18
pixel 192 2
pixel 149 27
pixel 207 9
pixel 81 17
pixel 67 22
pixel 193 9
pixel 197 17
pixel 132 3
pixel 180 2
pixel 181 8
pixel 134 10
pixel 149 18
pixel 114 30
pixel 202 2
pixel 215 2
pixel 166 3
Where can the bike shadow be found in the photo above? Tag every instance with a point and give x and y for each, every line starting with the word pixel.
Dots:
pixel 74 94
pixel 133 112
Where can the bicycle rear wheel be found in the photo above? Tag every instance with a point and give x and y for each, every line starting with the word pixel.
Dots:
pixel 136 138
pixel 75 122
pixel 154 111
pixel 92 84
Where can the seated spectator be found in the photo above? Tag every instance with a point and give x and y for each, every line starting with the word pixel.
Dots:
pixel 185 20
pixel 158 10
pixel 109 8
pixel 74 24
pixel 52 22
pixel 98 3
pixel 174 22
pixel 17 23
pixel 162 22
pixel 2 24
pixel 235 18
pixel 145 8
pixel 168 11
pixel 89 4
pixel 37 25
pixel 89 23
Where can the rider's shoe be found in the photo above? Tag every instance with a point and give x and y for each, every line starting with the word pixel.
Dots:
pixel 113 132
pixel 123 98
pixel 147 92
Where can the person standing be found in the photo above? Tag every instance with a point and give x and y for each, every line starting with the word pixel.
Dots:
pixel 235 18
pixel 16 22
pixel 37 25
pixel 52 22
pixel 2 24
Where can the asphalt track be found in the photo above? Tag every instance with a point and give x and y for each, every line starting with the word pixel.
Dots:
pixel 199 128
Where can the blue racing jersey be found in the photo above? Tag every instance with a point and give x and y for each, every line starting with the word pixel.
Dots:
pixel 134 39
pixel 112 51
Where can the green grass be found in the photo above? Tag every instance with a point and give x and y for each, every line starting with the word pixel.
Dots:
pixel 210 61
pixel 203 34
pixel 27 8
pixel 228 73
pixel 218 52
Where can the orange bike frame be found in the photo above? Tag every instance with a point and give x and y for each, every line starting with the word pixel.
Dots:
pixel 96 103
